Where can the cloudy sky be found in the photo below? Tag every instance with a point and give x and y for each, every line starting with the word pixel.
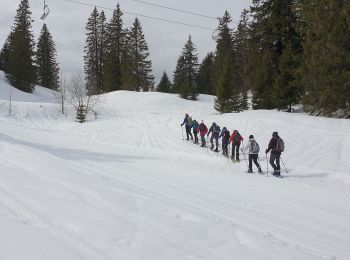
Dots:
pixel 67 24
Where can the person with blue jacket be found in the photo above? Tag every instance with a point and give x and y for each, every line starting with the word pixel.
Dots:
pixel 225 135
pixel 188 125
pixel 195 130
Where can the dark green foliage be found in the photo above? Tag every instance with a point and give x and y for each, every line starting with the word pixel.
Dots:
pixel 81 114
pixel 286 89
pixel 20 70
pixel 4 54
pixel 164 84
pixel 230 96
pixel 325 69
pixel 138 58
pixel 95 52
pixel 115 48
pixel 186 72
pixel 205 78
pixel 45 59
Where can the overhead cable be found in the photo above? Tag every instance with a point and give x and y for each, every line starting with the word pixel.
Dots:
pixel 142 15
pixel 175 9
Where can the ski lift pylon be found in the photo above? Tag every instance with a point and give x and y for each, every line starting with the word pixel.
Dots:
pixel 46 11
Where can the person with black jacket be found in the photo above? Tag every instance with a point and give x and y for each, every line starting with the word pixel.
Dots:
pixel 275 154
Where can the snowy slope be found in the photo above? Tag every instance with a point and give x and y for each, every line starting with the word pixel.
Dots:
pixel 126 186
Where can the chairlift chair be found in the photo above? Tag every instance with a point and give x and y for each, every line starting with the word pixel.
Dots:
pixel 46 11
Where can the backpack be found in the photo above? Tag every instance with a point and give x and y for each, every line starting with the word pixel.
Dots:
pixel 189 121
pixel 280 145
pixel 254 147
pixel 237 138
pixel 216 129
pixel 227 134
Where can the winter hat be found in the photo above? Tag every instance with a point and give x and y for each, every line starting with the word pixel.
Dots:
pixel 251 137
pixel 186 114
pixel 275 134
pixel 224 129
pixel 214 123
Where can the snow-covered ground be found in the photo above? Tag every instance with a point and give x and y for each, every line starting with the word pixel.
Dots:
pixel 126 186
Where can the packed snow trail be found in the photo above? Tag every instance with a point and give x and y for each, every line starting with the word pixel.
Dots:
pixel 126 186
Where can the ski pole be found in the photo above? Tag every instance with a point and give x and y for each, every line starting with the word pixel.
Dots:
pixel 245 159
pixel 284 165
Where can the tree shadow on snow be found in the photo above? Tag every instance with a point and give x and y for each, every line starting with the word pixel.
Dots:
pixel 73 154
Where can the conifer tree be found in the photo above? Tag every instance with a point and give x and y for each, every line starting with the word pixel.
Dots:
pixel 241 56
pixel 20 70
pixel 205 78
pixel 95 52
pixel 4 54
pixel 139 64
pixel 325 69
pixel 273 29
pixel 47 67
pixel 102 37
pixel 115 52
pixel 229 95
pixel 164 84
pixel 186 72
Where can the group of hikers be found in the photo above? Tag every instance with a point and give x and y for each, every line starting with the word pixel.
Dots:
pixel 275 146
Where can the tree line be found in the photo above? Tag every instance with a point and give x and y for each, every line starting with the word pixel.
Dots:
pixel 281 53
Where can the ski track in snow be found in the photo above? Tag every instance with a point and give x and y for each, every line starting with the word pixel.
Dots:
pixel 126 186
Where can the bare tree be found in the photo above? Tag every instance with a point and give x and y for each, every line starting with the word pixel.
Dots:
pixel 61 95
pixel 82 101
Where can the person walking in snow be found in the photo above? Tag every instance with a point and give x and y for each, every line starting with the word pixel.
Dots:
pixel 188 125
pixel 276 146
pixel 236 140
pixel 225 135
pixel 195 126
pixel 203 130
pixel 253 150
pixel 215 132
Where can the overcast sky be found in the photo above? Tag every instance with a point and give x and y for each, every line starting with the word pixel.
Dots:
pixel 67 23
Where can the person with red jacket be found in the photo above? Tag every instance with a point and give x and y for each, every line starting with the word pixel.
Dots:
pixel 203 130
pixel 236 140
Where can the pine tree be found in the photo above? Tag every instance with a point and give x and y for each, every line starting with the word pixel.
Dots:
pixel 205 78
pixel 186 72
pixel 115 50
pixel 230 96
pixel 102 37
pixel 325 69
pixel 95 52
pixel 272 30
pixel 139 63
pixel 241 56
pixel 47 67
pixel 4 54
pixel 20 70
pixel 286 89
pixel 164 84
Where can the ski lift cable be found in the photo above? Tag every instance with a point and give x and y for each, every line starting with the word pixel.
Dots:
pixel 176 9
pixel 142 15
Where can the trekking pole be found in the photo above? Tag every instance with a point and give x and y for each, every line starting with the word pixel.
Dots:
pixel 284 165
pixel 245 159
pixel 182 131
pixel 267 166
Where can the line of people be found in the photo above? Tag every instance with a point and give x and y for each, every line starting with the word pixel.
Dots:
pixel 275 146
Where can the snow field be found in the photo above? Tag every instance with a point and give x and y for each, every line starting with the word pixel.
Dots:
pixel 126 186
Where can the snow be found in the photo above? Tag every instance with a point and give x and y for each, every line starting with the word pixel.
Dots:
pixel 126 186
